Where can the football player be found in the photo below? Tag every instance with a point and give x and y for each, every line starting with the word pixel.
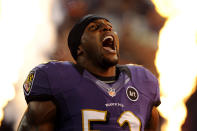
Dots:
pixel 95 93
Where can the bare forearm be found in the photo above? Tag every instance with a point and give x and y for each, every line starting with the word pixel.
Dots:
pixel 154 121
pixel 35 128
pixel 26 126
pixel 39 116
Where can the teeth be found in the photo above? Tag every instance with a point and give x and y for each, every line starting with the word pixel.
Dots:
pixel 109 49
pixel 108 37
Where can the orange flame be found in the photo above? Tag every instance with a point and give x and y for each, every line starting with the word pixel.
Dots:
pixel 27 35
pixel 176 59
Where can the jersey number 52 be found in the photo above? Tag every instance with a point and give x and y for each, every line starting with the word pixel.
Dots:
pixel 89 115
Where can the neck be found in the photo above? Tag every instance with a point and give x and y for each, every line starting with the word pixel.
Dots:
pixel 98 70
pixel 111 71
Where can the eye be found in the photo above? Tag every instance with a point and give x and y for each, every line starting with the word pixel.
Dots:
pixel 94 27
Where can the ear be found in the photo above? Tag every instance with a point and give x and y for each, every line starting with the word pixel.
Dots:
pixel 79 50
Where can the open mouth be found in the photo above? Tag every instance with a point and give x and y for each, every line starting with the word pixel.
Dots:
pixel 108 44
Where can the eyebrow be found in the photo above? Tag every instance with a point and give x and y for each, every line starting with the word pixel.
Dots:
pixel 108 23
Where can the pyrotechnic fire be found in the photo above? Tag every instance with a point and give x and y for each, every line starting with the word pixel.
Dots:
pixel 176 59
pixel 26 37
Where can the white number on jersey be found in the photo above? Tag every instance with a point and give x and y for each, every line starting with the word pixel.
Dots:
pixel 89 115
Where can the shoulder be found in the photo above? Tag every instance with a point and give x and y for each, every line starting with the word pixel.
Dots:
pixel 141 72
pixel 145 82
pixel 54 67
pixel 50 65
pixel 40 82
pixel 50 71
pixel 58 71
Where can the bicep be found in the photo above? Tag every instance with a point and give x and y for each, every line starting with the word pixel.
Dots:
pixel 38 116
pixel 153 124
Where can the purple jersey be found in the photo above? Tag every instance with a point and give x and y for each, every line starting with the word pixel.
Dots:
pixel 86 103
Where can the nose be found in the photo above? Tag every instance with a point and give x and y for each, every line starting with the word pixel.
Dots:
pixel 106 27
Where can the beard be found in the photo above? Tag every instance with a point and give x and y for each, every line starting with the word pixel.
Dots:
pixel 105 63
pixel 101 60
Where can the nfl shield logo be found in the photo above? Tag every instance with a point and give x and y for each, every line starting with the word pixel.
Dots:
pixel 111 92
